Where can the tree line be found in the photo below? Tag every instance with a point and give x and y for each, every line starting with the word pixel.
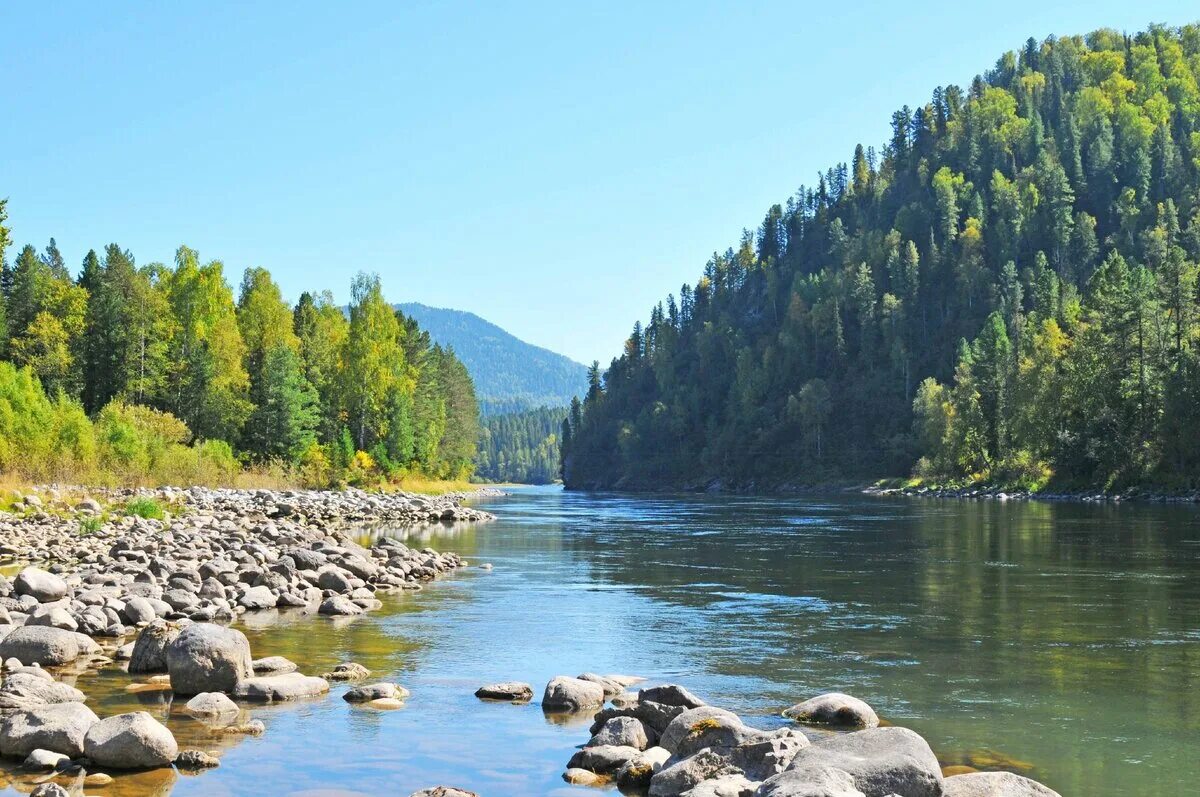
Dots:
pixel 521 447
pixel 128 367
pixel 1005 292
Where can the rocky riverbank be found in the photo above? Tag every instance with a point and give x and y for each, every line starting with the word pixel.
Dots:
pixel 985 493
pixel 664 741
pixel 101 583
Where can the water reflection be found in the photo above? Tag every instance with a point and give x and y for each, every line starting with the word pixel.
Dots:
pixel 1057 639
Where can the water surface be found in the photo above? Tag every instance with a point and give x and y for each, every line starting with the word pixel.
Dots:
pixel 1059 640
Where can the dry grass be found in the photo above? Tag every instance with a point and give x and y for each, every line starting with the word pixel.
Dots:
pixel 428 486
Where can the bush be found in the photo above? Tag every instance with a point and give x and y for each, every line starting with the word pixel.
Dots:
pixel 145 508
pixel 89 525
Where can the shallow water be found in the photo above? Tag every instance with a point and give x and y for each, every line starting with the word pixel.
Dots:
pixel 1059 640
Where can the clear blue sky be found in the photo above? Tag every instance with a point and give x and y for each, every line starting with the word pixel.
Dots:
pixel 555 167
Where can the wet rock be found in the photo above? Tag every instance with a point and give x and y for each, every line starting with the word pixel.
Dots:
pixel 273 665
pixel 670 695
pixel 583 777
pixel 49 790
pixel 196 760
pixel 130 741
pixel 443 791
pixel 995 784
pixel 347 671
pixel 251 728
pixel 611 688
pixel 507 690
pixel 338 605
pixel 635 775
pixel 571 694
pixel 386 703
pixel 40 585
pixel 44 760
pixel 371 692
pixel 280 688
pixel 41 645
pixel 208 658
pixel 603 760
pixel 150 649
pixel 212 704
pixel 836 709
pixel 622 732
pixel 882 761
pixel 58 727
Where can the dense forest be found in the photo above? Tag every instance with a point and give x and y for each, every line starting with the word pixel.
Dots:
pixel 153 372
pixel 1005 292
pixel 521 447
pixel 510 375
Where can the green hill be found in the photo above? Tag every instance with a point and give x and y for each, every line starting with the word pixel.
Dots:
pixel 1005 291
pixel 510 375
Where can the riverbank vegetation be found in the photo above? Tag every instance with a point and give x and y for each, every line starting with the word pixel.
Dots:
pixel 1005 292
pixel 154 374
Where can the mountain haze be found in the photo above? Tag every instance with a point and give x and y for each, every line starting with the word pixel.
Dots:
pixel 509 374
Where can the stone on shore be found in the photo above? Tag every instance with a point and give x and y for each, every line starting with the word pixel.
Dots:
pixel 196 760
pixel 273 665
pixel 705 726
pixel 44 760
pixel 836 709
pixel 280 688
pixel 812 782
pixel 347 671
pixel 604 759
pixel 670 695
pixel 58 727
pixel 339 605
pixel 49 790
pixel 208 658
pixel 564 694
pixel 684 774
pixel 583 777
pixel 40 585
pixel 635 775
pixel 443 791
pixel 995 784
pixel 42 645
pixel 130 741
pixel 508 690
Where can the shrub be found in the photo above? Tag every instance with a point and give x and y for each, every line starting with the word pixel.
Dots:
pixel 145 508
pixel 90 525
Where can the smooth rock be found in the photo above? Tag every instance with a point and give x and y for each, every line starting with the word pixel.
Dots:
pixel 369 692
pixel 150 649
pixel 636 774
pixel 208 658
pixel 196 759
pixel 44 760
pixel 273 665
pixel 811 782
pixel 683 775
pixel 37 583
pixel 347 671
pixel 622 732
pixel 603 760
pixel 995 784
pixel 571 694
pixel 130 741
pixel 49 647
pixel 704 726
pixel 58 727
pixel 670 695
pixel 583 777
pixel 279 688
pixel 882 761
pixel 212 704
pixel 507 690
pixel 836 709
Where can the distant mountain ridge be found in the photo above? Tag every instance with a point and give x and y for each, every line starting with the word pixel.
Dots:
pixel 510 375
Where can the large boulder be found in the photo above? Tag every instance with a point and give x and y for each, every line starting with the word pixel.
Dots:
pixel 603 760
pixel 769 754
pixel 41 645
pixel 260 597
pixel 705 726
pixel 280 688
pixel 571 694
pixel 882 762
pixel 995 784
pixel 59 727
pixel 812 782
pixel 26 690
pixel 37 583
pixel 130 741
pixel 208 658
pixel 836 709
pixel 150 650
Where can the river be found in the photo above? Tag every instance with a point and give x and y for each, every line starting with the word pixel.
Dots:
pixel 1058 640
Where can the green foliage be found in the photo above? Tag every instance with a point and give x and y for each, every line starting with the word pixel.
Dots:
pixel 521 447
pixel 90 525
pixel 144 508
pixel 1006 292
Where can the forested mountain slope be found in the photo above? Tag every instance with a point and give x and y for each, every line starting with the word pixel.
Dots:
pixel 521 447
pixel 1005 291
pixel 509 374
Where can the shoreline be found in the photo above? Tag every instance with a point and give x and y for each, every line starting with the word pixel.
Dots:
pixel 162 594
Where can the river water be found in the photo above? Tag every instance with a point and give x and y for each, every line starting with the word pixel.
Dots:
pixel 1057 640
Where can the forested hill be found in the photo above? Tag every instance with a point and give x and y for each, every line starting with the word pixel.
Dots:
pixel 509 374
pixel 1004 291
